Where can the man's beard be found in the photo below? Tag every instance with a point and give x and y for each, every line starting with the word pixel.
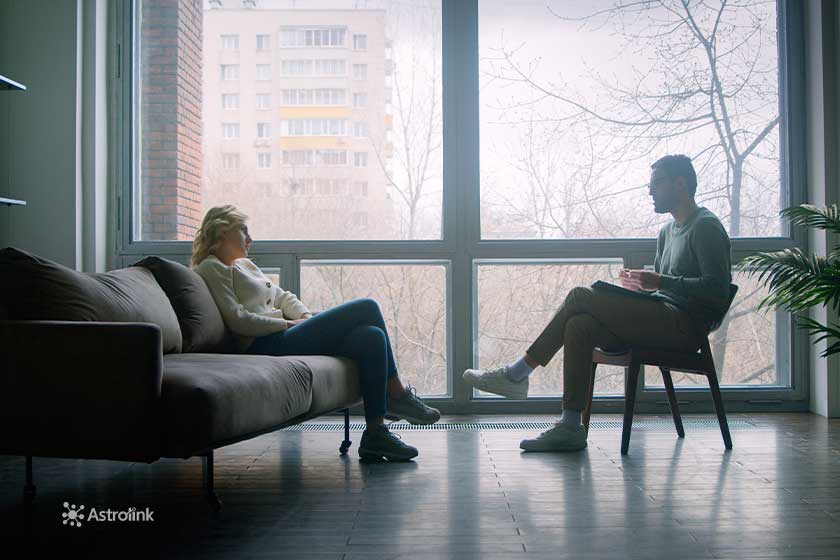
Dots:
pixel 662 206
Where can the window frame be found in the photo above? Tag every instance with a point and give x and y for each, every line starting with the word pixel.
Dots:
pixel 263 72
pixel 238 101
pixel 262 96
pixel 360 42
pixel 264 158
pixel 224 66
pixel 263 130
pixel 232 38
pixel 262 38
pixel 231 127
pixel 460 242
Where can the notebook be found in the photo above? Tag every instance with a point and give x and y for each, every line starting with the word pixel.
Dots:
pixel 607 287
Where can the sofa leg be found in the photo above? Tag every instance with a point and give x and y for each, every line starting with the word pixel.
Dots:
pixel 28 498
pixel 345 445
pixel 207 472
pixel 29 487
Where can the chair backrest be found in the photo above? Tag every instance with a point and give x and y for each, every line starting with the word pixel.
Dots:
pixel 733 291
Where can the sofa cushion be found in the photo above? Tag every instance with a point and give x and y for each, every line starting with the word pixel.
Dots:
pixel 34 288
pixel 335 383
pixel 210 400
pixel 202 326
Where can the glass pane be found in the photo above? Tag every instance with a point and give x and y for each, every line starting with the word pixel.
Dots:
pixel 412 298
pixel 746 347
pixel 515 302
pixel 290 103
pixel 577 99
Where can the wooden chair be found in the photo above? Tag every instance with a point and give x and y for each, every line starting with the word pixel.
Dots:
pixel 632 359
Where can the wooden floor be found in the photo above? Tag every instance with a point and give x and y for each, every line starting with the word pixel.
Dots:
pixel 469 495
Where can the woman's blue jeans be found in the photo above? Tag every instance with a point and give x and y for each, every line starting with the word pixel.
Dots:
pixel 354 330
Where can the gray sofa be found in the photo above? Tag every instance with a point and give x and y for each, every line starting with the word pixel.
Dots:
pixel 136 364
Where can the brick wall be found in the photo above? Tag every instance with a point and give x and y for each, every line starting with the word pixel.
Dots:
pixel 171 119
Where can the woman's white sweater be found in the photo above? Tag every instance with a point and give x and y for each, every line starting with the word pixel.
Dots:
pixel 250 304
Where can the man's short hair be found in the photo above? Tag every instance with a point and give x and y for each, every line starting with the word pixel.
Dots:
pixel 678 165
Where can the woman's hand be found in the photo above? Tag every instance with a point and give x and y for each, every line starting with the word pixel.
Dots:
pixel 292 322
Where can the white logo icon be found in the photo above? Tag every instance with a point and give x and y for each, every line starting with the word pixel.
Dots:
pixel 73 516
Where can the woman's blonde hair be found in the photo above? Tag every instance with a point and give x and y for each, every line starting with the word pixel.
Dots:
pixel 218 221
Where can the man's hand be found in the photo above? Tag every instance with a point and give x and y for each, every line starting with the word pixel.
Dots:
pixel 626 281
pixel 292 322
pixel 640 280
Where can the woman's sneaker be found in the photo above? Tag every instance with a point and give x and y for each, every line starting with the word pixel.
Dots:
pixel 497 382
pixel 379 443
pixel 409 407
pixel 562 437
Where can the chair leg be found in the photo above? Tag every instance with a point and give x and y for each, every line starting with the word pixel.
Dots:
pixel 588 411
pixel 672 400
pixel 207 475
pixel 345 445
pixel 721 414
pixel 630 383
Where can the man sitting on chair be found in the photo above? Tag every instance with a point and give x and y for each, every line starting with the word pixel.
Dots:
pixel 690 289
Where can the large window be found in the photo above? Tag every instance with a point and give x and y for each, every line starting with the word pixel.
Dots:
pixel 251 79
pixel 467 183
pixel 567 138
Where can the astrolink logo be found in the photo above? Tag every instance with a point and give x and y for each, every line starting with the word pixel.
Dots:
pixel 74 516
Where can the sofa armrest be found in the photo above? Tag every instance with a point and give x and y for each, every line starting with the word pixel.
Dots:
pixel 80 389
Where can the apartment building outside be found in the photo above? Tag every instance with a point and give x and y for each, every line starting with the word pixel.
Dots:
pixel 296 119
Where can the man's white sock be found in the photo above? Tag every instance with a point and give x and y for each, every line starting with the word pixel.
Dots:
pixel 571 418
pixel 519 370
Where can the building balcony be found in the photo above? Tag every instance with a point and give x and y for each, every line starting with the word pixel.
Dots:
pixel 315 112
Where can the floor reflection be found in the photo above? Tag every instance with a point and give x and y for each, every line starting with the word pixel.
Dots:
pixel 473 495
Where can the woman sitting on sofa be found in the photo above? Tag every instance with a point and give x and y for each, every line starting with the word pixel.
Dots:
pixel 270 321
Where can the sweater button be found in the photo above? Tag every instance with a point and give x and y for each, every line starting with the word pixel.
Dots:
pixel 268 302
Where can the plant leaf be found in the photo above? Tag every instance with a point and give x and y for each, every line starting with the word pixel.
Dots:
pixel 796 280
pixel 811 216
pixel 825 332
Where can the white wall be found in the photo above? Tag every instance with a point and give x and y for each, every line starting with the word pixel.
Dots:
pixel 54 152
pixel 38 47
pixel 92 227
pixel 822 19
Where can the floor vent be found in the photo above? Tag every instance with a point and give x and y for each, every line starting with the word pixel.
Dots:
pixel 647 425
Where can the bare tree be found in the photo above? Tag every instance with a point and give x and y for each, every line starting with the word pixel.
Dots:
pixel 413 304
pixel 411 162
pixel 712 78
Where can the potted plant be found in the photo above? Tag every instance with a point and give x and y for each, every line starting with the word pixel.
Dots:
pixel 799 281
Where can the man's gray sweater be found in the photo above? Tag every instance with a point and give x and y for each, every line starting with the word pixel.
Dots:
pixel 696 267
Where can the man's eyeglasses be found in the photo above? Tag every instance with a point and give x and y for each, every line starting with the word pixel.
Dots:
pixel 653 184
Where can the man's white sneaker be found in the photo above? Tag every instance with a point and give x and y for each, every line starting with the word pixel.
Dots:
pixel 497 382
pixel 562 437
